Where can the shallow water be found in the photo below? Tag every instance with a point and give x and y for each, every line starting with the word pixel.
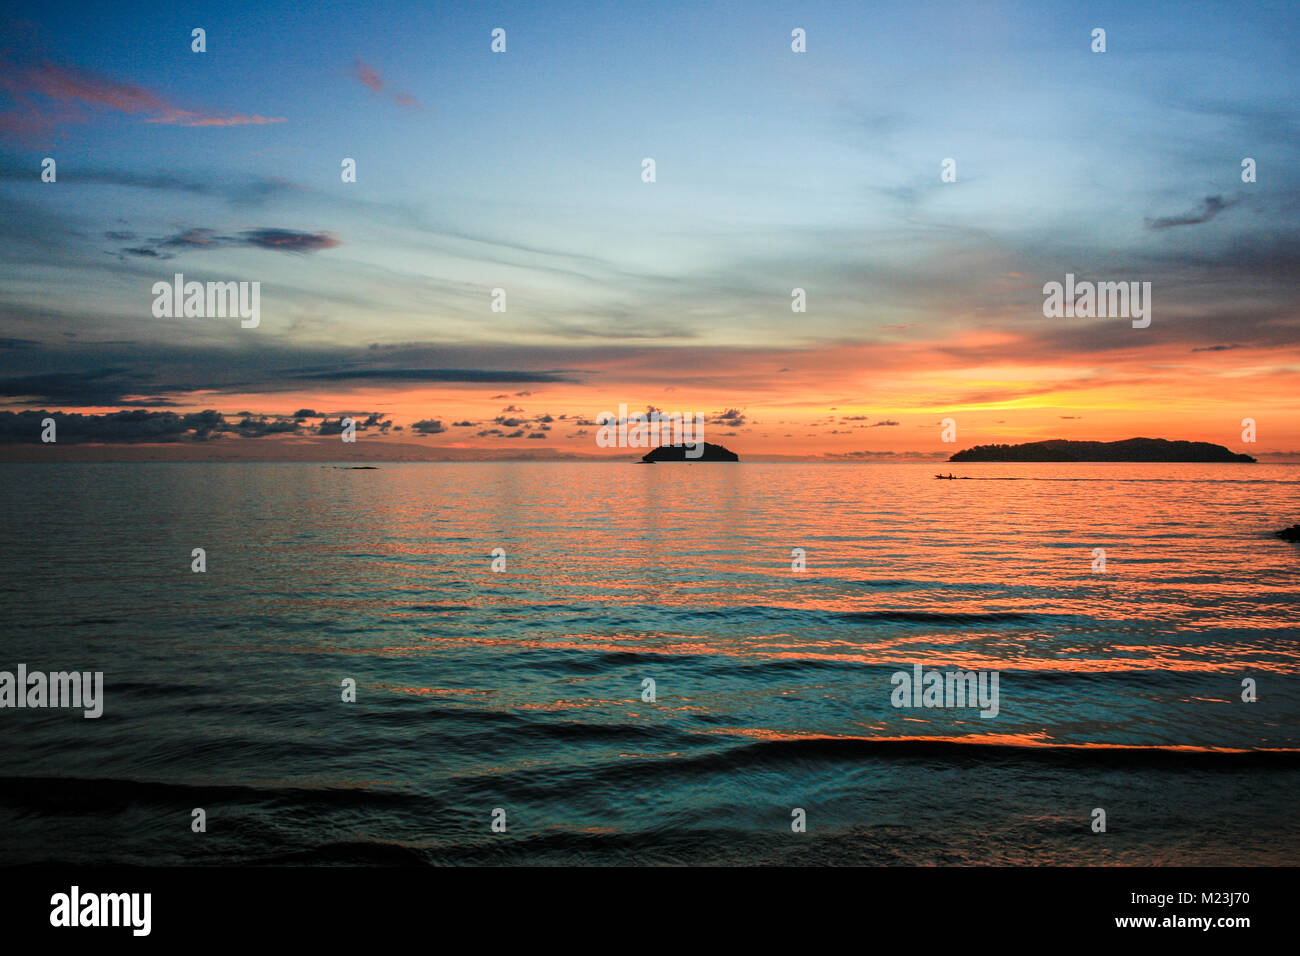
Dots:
pixel 522 690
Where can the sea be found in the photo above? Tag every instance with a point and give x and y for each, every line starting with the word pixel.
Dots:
pixel 574 663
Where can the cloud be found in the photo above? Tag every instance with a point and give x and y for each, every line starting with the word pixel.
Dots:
pixel 369 78
pixel 46 95
pixel 884 455
pixel 278 240
pixel 1210 207
pixel 428 426
pixel 188 118
pixel 732 416
pixel 238 192
pixel 286 240
pixel 103 386
pixel 197 237
pixel 138 425
pixel 864 418
pixel 260 426
pixel 429 375
pixel 371 420
pixel 255 191
pixel 139 371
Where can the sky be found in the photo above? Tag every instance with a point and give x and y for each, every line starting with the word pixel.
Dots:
pixel 775 170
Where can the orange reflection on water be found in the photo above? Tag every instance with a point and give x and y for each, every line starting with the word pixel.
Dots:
pixel 1040 740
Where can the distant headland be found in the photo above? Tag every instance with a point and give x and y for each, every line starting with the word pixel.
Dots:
pixel 712 452
pixel 1132 449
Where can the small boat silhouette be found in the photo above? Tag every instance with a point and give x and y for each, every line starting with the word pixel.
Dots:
pixel 951 477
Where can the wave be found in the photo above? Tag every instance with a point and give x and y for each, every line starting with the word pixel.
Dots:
pixel 102 795
pixel 954 618
pixel 810 616
pixel 734 756
pixel 984 750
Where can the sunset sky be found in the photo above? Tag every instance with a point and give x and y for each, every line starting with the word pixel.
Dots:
pixel 775 170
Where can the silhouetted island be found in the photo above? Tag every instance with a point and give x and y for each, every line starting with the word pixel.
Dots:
pixel 1289 534
pixel 1132 449
pixel 678 453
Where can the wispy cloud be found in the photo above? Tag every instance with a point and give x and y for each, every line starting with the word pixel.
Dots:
pixel 279 240
pixel 46 95
pixel 1210 207
pixel 238 192
pixel 369 77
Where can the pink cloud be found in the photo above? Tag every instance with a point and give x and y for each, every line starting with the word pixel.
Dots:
pixel 372 81
pixel 187 118
pixel 48 94
pixel 368 76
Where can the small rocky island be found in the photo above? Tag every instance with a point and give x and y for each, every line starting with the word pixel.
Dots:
pixel 1132 449
pixel 1289 534
pixel 678 453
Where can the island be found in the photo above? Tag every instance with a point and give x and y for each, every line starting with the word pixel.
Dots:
pixel 1289 534
pixel 1132 449
pixel 678 453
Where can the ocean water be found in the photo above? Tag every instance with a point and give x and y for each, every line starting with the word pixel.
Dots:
pixel 522 690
